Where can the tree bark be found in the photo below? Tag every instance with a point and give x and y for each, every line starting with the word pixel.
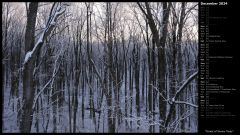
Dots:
pixel 28 86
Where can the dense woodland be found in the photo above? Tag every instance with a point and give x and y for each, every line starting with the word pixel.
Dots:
pixel 100 67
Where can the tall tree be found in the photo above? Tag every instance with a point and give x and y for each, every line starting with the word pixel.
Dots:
pixel 162 62
pixel 180 59
pixel 32 50
pixel 160 43
pixel 28 86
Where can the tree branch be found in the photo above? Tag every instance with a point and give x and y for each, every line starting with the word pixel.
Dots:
pixel 50 25
pixel 183 102
pixel 184 85
pixel 142 9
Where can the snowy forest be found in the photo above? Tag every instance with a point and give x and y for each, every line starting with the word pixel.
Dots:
pixel 100 67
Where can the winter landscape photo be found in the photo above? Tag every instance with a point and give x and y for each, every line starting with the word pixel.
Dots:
pixel 99 67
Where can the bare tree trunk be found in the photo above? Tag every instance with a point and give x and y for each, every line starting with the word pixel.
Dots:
pixel 131 89
pixel 83 98
pixel 160 42
pixel 28 86
pixel 180 61
pixel 69 102
pixel 135 55
pixel 32 50
pixel 143 78
pixel 162 63
pixel 109 68
pixel 173 72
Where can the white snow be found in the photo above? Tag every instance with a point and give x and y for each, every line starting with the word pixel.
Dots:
pixel 27 56
pixel 43 100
